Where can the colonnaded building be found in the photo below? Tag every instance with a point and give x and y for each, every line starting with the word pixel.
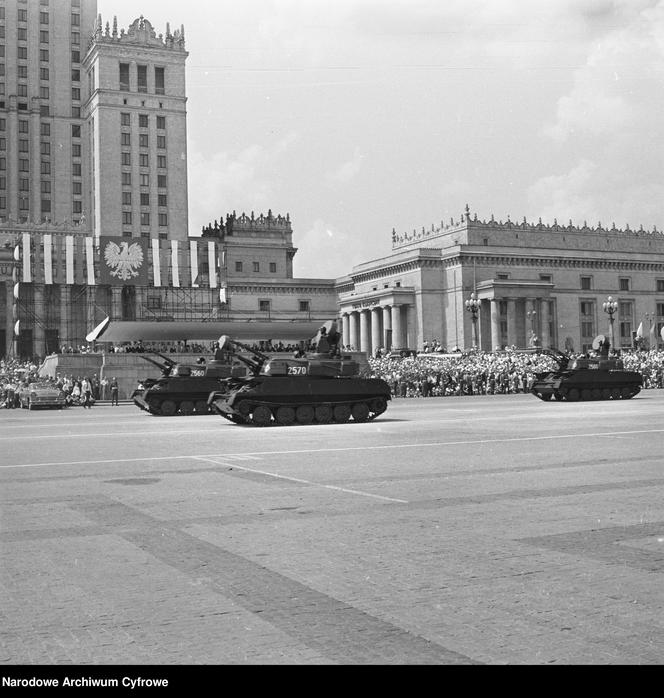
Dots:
pixel 534 283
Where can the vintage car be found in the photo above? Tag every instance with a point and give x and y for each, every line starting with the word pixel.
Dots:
pixel 41 395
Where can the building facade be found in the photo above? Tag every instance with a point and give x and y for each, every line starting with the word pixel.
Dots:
pixel 536 285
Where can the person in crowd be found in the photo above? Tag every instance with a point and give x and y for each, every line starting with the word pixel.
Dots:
pixel 115 392
pixel 86 393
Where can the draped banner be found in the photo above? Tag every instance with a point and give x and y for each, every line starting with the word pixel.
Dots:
pixel 27 269
pixel 69 259
pixel 212 264
pixel 48 260
pixel 193 260
pixel 175 265
pixel 156 262
pixel 123 262
pixel 90 259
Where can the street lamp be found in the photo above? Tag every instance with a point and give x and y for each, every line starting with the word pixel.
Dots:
pixel 610 308
pixel 532 314
pixel 473 307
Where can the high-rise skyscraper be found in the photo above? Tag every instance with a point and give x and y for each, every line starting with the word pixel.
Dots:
pixel 92 122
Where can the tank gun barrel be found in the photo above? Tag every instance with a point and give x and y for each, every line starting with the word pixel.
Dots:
pixel 255 364
pixel 164 367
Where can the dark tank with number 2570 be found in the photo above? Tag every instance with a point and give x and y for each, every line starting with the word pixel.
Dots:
pixel 598 378
pixel 321 387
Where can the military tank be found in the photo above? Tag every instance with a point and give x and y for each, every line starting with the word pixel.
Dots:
pixel 183 389
pixel 598 378
pixel 320 386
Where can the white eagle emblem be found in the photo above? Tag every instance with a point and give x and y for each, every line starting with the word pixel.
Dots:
pixel 126 262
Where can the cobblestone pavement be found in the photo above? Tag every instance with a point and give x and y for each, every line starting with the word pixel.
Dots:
pixel 483 530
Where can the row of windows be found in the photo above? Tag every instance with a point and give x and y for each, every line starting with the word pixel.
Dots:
pixel 145 218
pixel 142 78
pixel 256 267
pixel 143 160
pixel 143 120
pixel 265 306
pixel 44 73
pixel 162 199
pixel 143 140
pixel 44 56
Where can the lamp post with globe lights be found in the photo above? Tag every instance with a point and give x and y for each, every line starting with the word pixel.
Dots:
pixel 473 307
pixel 610 308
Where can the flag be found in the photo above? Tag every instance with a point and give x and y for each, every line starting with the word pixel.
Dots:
pixel 639 331
pixel 653 337
pixel 222 295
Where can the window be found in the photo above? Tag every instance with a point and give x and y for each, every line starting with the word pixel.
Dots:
pixel 257 266
pixel 238 266
pixel 126 198
pixel 144 160
pixel 75 38
pixel 124 76
pixel 161 162
pixel 43 55
pixel 273 267
pixel 163 200
pixel 46 187
pixel 46 168
pixel 75 56
pixel 76 169
pixel 76 130
pixel 22 71
pixel 126 159
pixel 22 15
pixel 45 205
pixel 75 75
pixel 45 129
pixel 125 138
pixel 660 309
pixel 624 284
pixel 22 90
pixel 22 34
pixel 43 37
pixel 145 180
pixel 144 140
pixel 76 93
pixel 142 78
pixel 43 17
pixel 43 73
pixel 126 179
pixel 161 123
pixel 43 93
pixel 45 148
pixel 154 302
pixel 660 284
pixel 264 306
pixel 161 142
pixel 161 181
pixel 125 119
pixel 77 188
pixel 75 112
pixel 586 282
pixel 546 277
pixel 22 53
pixel 159 85
pixel 75 20
pixel 23 146
pixel 76 150
pixel 304 306
pixel 145 199
pixel 126 218
pixel 143 121
pixel 77 207
pixel 145 218
pixel 163 220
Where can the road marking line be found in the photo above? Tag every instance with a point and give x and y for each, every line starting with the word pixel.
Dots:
pixel 436 444
pixel 300 480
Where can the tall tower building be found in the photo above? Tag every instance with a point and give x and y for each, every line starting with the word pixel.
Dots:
pixel 43 155
pixel 137 125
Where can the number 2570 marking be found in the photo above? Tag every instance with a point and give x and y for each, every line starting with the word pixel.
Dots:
pixel 297 370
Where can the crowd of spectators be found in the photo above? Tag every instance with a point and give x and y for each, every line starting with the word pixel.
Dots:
pixel 480 373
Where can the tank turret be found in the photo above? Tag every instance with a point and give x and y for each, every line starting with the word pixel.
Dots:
pixel 183 389
pixel 319 385
pixel 600 377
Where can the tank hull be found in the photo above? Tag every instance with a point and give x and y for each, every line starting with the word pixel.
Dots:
pixel 587 384
pixel 268 400
pixel 173 397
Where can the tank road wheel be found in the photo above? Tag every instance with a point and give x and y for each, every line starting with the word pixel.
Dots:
pixel 304 414
pixel 244 408
pixel 596 394
pixel 558 396
pixel 545 396
pixel 360 412
pixel 187 408
pixel 586 394
pixel 573 395
pixel 285 415
pixel 323 414
pixel 201 407
pixel 626 393
pixel 378 405
pixel 154 406
pixel 606 394
pixel 168 408
pixel 341 413
pixel 262 416
pixel 615 393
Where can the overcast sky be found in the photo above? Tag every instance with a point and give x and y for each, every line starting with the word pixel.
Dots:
pixel 360 116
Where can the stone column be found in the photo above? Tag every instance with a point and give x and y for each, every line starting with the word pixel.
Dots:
pixel 495 324
pixel 376 341
pixel 397 332
pixel 511 322
pixel 39 338
pixel 9 321
pixel 365 337
pixel 65 313
pixel 345 329
pixel 387 324
pixel 544 324
pixel 354 321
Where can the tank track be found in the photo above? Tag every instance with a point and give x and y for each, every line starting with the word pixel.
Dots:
pixel 586 394
pixel 265 414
